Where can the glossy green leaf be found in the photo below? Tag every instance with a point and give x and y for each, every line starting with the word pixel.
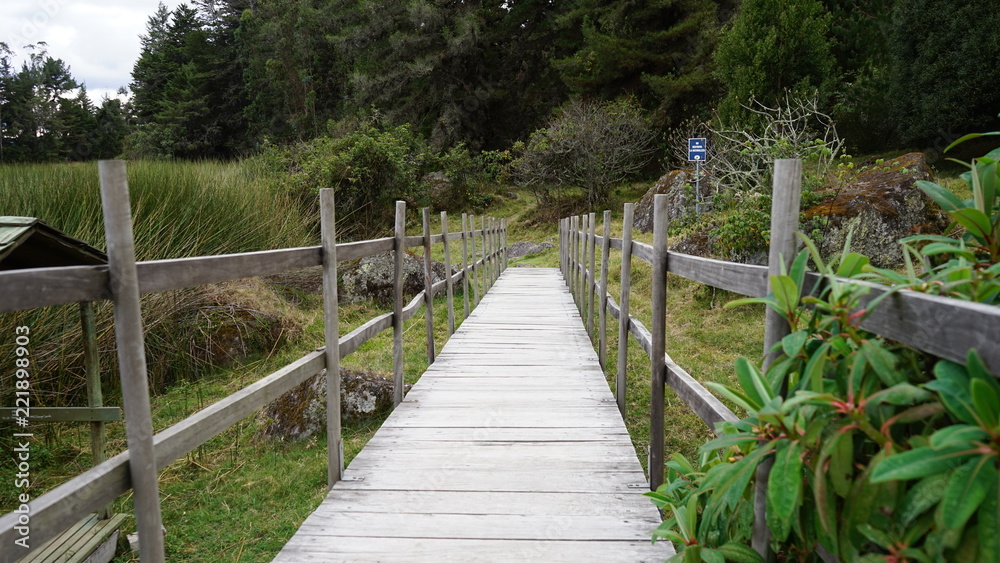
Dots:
pixel 842 463
pixel 876 536
pixel 936 248
pixel 739 553
pixel 989 523
pixel 975 221
pixel 900 394
pixel 920 462
pixel 741 400
pixel 955 397
pixel 798 270
pixel 726 441
pixel 786 294
pixel 709 555
pixel 947 200
pixel 752 381
pixel 986 402
pixel 958 434
pixel 792 344
pixel 966 490
pixel 852 264
pixel 883 362
pixel 815 368
pixel 922 496
pixel 784 489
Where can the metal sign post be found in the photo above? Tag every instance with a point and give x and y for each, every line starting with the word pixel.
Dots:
pixel 697 153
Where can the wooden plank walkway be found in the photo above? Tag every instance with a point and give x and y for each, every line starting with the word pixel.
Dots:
pixel 509 448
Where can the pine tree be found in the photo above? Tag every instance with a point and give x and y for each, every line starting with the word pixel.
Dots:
pixel 771 48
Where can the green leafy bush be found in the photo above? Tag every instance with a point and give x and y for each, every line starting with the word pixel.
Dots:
pixel 876 456
pixel 593 145
pixel 369 169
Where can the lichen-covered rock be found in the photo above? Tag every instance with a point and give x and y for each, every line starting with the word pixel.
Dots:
pixel 301 412
pixel 372 278
pixel 880 207
pixel 522 248
pixel 678 185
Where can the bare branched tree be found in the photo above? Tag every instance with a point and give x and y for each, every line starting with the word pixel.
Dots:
pixel 590 145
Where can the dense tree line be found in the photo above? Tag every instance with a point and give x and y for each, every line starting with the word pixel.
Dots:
pixel 221 78
pixel 46 115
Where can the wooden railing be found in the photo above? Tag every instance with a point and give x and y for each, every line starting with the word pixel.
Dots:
pixel 944 327
pixel 123 280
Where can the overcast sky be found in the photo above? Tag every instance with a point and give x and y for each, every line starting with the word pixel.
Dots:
pixel 98 39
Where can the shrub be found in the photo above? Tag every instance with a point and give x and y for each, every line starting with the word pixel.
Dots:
pixel 875 456
pixel 593 145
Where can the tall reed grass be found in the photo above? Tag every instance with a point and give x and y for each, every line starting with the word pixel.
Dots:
pixel 179 209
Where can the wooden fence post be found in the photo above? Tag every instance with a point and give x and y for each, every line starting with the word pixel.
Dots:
pixel 95 395
pixel 582 295
pixel 784 222
pixel 124 285
pixel 503 243
pixel 331 324
pixel 486 258
pixel 428 286
pixel 397 304
pixel 623 318
pixel 447 269
pixel 591 289
pixel 602 345
pixel 570 249
pixel 475 260
pixel 659 332
pixel 465 263
pixel 577 259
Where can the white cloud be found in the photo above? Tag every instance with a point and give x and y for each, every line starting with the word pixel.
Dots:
pixel 99 40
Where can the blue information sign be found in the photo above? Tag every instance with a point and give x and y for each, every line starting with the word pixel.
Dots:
pixel 697 150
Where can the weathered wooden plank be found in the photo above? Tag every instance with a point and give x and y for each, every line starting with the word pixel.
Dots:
pixel 745 279
pixel 393 549
pixel 622 314
pixel 942 326
pixel 331 335
pixel 131 356
pixel 413 241
pixel 498 419
pixel 658 332
pixel 163 275
pixel 44 287
pixel 347 251
pixel 397 303
pixel 602 311
pixel 642 251
pixel 412 307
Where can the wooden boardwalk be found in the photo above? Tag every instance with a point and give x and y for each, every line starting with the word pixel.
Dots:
pixel 509 448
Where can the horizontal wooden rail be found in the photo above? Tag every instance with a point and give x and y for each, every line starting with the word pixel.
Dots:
pixel 941 326
pixel 62 506
pixel 58 509
pixel 45 287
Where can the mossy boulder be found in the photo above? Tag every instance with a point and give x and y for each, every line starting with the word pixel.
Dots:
pixel 880 206
pixel 301 412
pixel 372 278
pixel 678 185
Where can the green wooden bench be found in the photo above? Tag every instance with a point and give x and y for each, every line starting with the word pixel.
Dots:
pixel 88 541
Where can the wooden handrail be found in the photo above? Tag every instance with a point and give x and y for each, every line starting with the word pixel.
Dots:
pixel 59 508
pixel 941 326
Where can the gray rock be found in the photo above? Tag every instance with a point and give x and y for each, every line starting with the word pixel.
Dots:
pixel 881 206
pixel 372 278
pixel 521 248
pixel 678 185
pixel 301 412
